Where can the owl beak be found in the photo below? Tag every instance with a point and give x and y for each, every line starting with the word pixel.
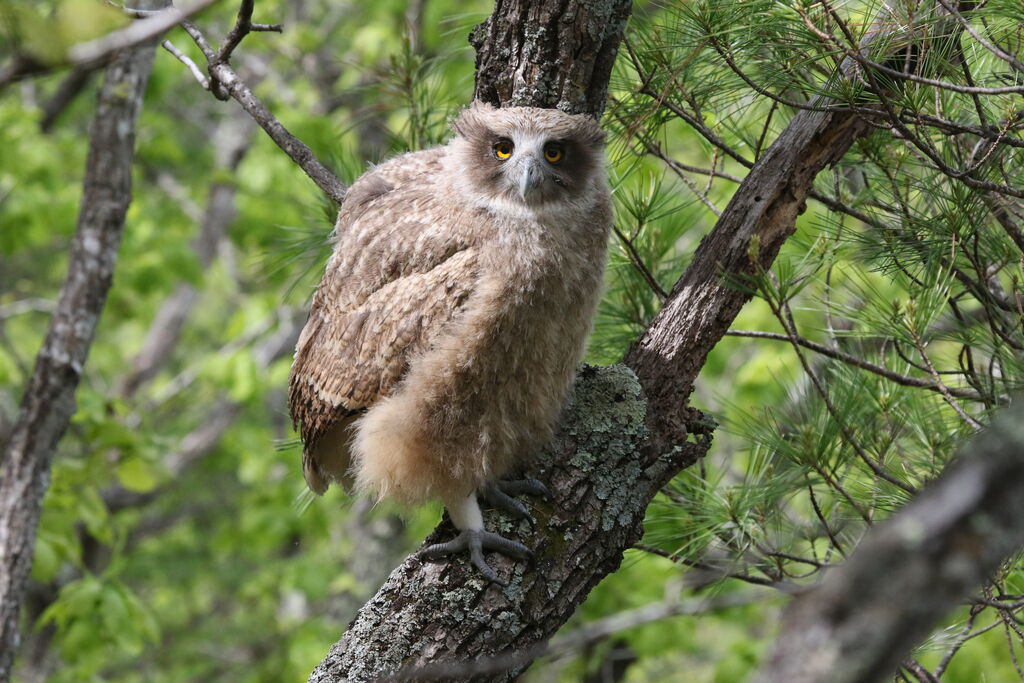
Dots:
pixel 532 177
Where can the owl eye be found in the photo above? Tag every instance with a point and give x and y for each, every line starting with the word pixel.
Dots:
pixel 553 153
pixel 503 149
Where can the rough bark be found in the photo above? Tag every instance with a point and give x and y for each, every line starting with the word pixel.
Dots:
pixel 49 399
pixel 602 469
pixel 865 616
pixel 554 53
pixel 429 613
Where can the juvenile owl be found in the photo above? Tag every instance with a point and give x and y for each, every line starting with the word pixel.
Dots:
pixel 454 309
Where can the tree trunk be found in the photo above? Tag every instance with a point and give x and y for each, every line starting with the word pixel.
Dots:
pixel 49 399
pixel 556 54
pixel 615 449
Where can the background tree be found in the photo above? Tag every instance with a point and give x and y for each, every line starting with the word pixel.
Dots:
pixel 897 296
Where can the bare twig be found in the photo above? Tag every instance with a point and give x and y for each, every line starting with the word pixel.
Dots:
pixel 73 84
pixel 965 634
pixel 189 64
pixel 781 311
pixel 991 47
pixel 291 145
pixel 243 26
pixel 850 359
pixel 638 263
pixel 225 82
pixel 784 586
pixel 32 305
pixel 947 394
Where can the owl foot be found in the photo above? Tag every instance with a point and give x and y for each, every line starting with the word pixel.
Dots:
pixel 499 495
pixel 476 541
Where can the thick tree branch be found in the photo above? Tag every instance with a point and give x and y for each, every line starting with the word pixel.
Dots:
pixel 863 619
pixel 49 399
pixel 432 613
pixel 604 467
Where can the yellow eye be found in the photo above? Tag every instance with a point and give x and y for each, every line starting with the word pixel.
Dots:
pixel 503 149
pixel 553 154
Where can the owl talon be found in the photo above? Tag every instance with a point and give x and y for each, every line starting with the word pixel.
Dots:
pixel 499 500
pixel 499 495
pixel 476 541
pixel 528 486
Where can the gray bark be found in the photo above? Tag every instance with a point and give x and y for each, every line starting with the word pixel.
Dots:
pixel 430 613
pixel 602 471
pixel 864 617
pixel 555 53
pixel 49 399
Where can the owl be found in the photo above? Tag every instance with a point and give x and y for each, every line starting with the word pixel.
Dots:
pixel 444 336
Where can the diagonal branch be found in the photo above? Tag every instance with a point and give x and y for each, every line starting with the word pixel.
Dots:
pixel 157 23
pixel 226 83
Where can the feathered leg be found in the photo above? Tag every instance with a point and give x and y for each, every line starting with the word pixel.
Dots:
pixel 466 516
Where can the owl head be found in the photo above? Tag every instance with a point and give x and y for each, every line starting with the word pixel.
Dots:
pixel 528 155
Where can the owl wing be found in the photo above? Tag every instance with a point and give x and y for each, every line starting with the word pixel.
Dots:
pixel 401 271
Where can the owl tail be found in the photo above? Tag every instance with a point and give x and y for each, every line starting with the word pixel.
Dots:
pixel 329 460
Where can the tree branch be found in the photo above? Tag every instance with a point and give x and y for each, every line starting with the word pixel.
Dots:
pixel 226 83
pixel 856 362
pixel 49 400
pixel 134 34
pixel 607 462
pixel 864 618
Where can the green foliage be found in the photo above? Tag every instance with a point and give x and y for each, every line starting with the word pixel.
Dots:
pixel 214 570
pixel 914 272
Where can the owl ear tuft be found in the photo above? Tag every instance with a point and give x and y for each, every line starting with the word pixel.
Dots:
pixel 587 130
pixel 470 121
